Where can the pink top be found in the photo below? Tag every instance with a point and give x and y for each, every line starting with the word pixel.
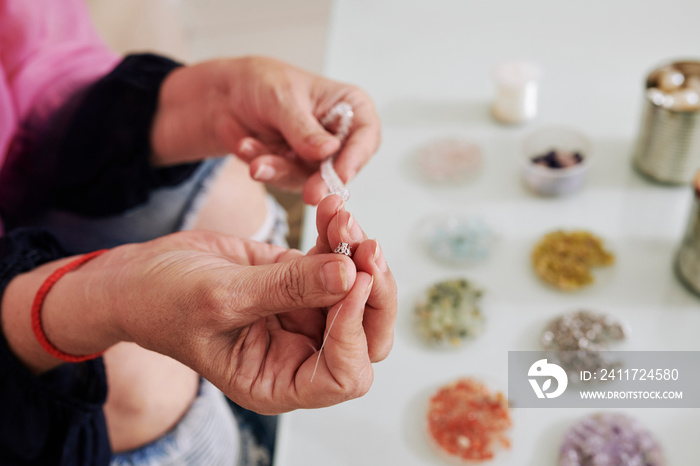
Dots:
pixel 48 50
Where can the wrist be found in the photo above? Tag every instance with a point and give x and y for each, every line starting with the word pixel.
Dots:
pixel 185 121
pixel 74 317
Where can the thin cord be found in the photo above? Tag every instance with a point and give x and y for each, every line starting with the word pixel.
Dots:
pixel 318 358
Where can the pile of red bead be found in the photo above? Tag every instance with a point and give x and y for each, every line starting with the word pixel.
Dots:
pixel 467 421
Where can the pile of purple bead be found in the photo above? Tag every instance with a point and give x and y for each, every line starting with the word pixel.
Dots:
pixel 558 159
pixel 610 439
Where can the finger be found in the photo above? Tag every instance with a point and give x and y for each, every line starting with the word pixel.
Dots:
pixel 347 334
pixel 343 228
pixel 314 190
pixel 248 148
pixel 305 134
pixel 344 369
pixel 357 151
pixel 302 282
pixel 326 211
pixel 280 171
pixel 380 316
pixel 307 322
pixel 362 142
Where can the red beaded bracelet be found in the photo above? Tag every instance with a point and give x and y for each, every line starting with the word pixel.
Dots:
pixel 39 301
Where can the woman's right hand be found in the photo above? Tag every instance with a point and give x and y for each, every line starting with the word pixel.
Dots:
pixel 248 316
pixel 222 306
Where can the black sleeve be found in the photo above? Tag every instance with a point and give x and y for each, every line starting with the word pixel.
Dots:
pixel 92 157
pixel 105 153
pixel 55 418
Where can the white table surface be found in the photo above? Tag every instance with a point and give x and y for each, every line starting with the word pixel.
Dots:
pixel 427 65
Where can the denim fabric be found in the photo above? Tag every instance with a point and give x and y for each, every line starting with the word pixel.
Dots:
pixel 166 212
pixel 206 435
pixel 275 228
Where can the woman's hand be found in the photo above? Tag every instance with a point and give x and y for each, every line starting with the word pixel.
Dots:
pixel 267 113
pixel 250 317
pixel 245 315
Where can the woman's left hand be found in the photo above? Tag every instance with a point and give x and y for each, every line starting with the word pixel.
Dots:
pixel 267 113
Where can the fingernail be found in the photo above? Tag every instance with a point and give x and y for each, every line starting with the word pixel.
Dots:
pixel 264 173
pixel 379 257
pixel 353 232
pixel 368 290
pixel 245 149
pixel 320 141
pixel 334 277
pixel 327 147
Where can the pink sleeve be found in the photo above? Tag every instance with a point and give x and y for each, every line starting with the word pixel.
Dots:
pixel 48 50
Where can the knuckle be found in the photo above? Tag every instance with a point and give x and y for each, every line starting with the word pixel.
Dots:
pixel 358 386
pixel 362 386
pixel 291 285
pixel 210 299
pixel 355 94
pixel 281 92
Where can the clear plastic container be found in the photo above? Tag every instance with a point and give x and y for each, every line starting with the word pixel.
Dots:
pixel 555 181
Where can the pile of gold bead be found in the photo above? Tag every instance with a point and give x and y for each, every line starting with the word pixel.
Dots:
pixel 565 259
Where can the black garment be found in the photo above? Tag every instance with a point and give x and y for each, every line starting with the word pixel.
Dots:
pixel 103 149
pixel 92 157
pixel 55 418
pixel 92 160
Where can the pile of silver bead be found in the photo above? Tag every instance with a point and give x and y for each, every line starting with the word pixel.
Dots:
pixel 576 340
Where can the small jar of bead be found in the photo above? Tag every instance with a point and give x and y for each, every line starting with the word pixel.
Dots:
pixel 555 160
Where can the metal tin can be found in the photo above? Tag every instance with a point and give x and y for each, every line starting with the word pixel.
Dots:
pixel 668 145
pixel 688 258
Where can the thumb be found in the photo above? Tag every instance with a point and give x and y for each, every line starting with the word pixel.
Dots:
pixel 306 136
pixel 304 282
